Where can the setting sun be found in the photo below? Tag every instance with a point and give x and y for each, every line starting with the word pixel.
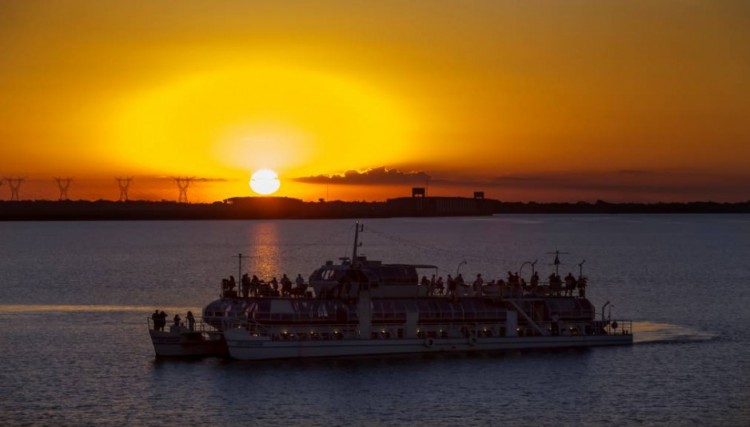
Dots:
pixel 265 182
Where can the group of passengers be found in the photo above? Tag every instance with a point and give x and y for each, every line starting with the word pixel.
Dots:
pixel 571 283
pixel 513 286
pixel 159 318
pixel 271 288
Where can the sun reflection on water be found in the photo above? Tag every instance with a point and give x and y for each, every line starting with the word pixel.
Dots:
pixel 264 258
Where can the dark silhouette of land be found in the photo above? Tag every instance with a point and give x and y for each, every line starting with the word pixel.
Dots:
pixel 288 208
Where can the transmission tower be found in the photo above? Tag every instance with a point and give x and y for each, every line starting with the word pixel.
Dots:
pixel 63 184
pixel 15 187
pixel 182 184
pixel 124 184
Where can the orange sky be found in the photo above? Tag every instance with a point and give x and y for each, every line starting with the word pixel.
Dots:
pixel 532 100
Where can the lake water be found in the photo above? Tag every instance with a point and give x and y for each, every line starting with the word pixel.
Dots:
pixel 74 298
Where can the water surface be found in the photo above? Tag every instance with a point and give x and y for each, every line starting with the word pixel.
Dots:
pixel 74 297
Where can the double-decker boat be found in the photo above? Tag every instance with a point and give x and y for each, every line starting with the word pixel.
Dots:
pixel 361 307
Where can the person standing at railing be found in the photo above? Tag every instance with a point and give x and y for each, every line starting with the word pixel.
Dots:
pixel 190 320
pixel 478 285
pixel 534 282
pixel 245 282
pixel 451 286
pixel 155 319
pixel 255 286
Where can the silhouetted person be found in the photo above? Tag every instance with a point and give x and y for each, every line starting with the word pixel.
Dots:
pixel 286 285
pixel 156 318
pixel 254 285
pixel 176 320
pixel 570 284
pixel 440 286
pixel 190 320
pixel 162 320
pixel 555 284
pixel 478 282
pixel 451 285
pixel 245 285
pixel 534 281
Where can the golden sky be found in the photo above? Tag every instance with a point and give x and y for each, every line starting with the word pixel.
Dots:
pixel 526 100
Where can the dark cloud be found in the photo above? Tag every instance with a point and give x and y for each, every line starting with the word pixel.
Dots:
pixel 630 181
pixel 376 176
pixel 625 184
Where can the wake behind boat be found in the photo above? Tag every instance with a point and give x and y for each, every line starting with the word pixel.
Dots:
pixel 363 307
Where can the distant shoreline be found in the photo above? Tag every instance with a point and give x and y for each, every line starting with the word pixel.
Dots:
pixel 288 208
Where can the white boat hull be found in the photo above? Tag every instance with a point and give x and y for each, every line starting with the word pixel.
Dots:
pixel 243 346
pixel 179 343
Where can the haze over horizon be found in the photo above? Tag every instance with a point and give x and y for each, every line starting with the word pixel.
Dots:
pixel 547 101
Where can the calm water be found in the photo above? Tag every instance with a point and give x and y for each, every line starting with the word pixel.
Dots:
pixel 74 298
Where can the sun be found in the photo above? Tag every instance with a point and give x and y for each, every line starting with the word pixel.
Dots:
pixel 265 182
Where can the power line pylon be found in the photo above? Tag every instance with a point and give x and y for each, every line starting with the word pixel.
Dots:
pixel 63 184
pixel 124 184
pixel 182 184
pixel 15 187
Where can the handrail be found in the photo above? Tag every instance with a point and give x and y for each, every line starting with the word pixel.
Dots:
pixel 199 326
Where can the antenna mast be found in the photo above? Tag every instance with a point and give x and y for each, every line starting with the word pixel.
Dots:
pixel 357 228
pixel 557 262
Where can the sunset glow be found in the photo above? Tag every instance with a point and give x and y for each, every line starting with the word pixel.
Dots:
pixel 547 101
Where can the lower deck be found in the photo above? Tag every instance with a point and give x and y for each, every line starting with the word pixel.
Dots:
pixel 244 346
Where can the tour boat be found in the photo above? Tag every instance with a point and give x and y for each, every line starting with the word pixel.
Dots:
pixel 361 307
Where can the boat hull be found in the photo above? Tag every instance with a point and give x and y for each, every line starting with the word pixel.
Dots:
pixel 243 346
pixel 180 343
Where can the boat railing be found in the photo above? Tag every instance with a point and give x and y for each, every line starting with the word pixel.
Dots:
pixel 618 327
pixel 543 289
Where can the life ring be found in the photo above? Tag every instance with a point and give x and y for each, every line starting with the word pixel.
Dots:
pixel 473 341
pixel 429 342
